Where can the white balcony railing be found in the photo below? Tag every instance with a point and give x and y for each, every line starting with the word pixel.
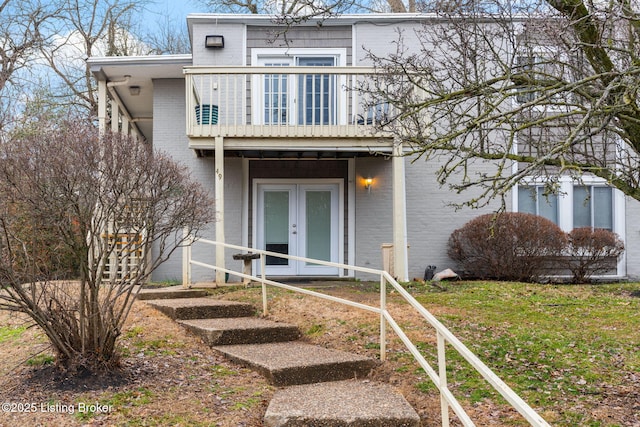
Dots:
pixel 286 102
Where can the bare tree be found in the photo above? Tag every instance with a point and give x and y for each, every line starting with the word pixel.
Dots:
pixel 73 199
pixel 23 30
pixel 21 34
pixel 85 28
pixel 169 35
pixel 552 86
pixel 295 11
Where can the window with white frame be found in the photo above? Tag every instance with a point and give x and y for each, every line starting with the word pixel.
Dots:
pixel 593 206
pixel 548 70
pixel 575 206
pixel 276 98
pixel 532 199
pixel 589 202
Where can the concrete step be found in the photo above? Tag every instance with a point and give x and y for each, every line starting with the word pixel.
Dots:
pixel 293 363
pixel 201 308
pixel 340 404
pixel 171 292
pixel 241 330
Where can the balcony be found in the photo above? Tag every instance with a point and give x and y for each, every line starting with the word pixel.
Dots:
pixel 283 108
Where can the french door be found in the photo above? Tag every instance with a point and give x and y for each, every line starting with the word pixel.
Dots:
pixel 300 219
pixel 305 99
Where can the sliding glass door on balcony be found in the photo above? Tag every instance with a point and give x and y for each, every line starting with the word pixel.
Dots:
pixel 298 99
pixel 316 94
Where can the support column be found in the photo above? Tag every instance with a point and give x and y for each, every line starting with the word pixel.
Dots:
pixel 219 189
pixel 126 128
pixel 102 106
pixel 115 116
pixel 400 256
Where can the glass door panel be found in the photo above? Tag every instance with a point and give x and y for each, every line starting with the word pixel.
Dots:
pixel 316 93
pixel 318 225
pixel 276 93
pixel 276 225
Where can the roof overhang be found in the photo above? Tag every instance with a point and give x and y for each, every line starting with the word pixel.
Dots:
pixel 123 72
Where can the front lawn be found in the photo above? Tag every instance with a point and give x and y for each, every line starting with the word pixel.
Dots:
pixel 572 352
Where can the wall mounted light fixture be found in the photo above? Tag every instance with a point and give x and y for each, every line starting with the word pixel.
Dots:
pixel 215 42
pixel 367 184
pixel 134 90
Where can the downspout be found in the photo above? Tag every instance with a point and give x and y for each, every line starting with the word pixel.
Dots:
pixel 119 82
pixel 114 95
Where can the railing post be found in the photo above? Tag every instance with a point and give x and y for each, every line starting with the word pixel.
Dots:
pixel 186 260
pixel 264 285
pixel 383 322
pixel 442 373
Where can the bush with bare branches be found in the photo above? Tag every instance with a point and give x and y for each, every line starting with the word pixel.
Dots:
pixel 593 251
pixel 73 199
pixel 507 246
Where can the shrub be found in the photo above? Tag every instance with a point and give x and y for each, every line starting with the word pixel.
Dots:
pixel 507 246
pixel 592 251
pixel 70 198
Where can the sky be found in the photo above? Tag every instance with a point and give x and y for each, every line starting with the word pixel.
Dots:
pixel 178 9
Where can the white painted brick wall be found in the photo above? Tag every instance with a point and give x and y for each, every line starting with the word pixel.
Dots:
pixel 169 136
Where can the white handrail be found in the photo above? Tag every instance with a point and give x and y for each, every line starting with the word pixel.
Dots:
pixel 444 336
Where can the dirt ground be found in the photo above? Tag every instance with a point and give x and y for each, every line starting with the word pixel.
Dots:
pixel 169 377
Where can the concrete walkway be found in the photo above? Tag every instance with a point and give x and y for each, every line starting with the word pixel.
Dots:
pixel 320 386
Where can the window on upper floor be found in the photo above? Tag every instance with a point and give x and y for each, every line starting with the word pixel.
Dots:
pixel 300 99
pixel 544 76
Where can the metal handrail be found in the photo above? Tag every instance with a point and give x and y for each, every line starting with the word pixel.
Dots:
pixel 444 336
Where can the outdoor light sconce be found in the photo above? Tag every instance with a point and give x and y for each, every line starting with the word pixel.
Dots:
pixel 214 42
pixel 367 184
pixel 134 90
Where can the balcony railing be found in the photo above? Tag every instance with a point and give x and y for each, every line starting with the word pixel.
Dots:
pixel 281 102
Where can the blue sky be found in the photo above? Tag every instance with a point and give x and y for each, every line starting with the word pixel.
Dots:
pixel 177 9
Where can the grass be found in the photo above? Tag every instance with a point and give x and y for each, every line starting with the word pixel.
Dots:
pixel 41 360
pixel 166 345
pixel 8 333
pixel 570 351
pixel 121 400
pixel 551 343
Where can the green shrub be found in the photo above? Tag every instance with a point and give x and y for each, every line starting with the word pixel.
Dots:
pixel 507 246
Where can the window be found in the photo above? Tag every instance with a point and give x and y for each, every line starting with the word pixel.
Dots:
pixel 585 203
pixel 276 87
pixel 299 99
pixel 544 71
pixel 531 199
pixel 316 93
pixel 592 207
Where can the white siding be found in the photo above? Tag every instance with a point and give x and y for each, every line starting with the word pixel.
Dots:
pixel 632 243
pixel 234 45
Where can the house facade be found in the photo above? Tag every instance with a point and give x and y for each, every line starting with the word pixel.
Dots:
pixel 267 121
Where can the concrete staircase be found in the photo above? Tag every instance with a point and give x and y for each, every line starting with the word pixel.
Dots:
pixel 320 386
